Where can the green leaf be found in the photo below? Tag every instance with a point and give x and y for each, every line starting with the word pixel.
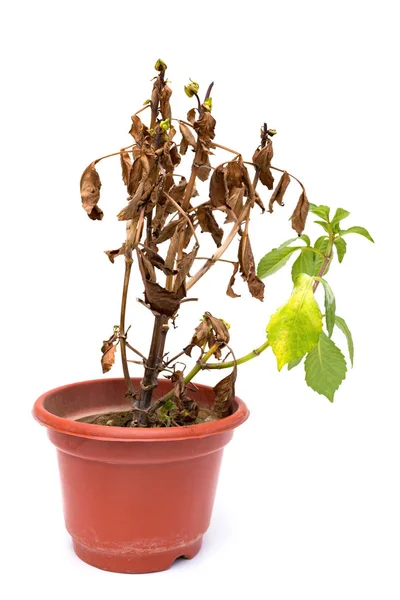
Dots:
pixel 325 367
pixel 275 260
pixel 341 323
pixel 293 363
pixel 330 306
pixel 295 328
pixel 326 226
pixel 359 230
pixel 305 239
pixel 340 214
pixel 341 248
pixel 288 242
pixel 304 263
pixel 321 211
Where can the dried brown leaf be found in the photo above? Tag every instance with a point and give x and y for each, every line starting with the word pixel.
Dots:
pixel 137 129
pixel 262 158
pixel 248 269
pixel 219 191
pixel 230 292
pixel 258 201
pixel 146 268
pixel 300 213
pixel 108 349
pixel 208 223
pixel 173 247
pixel 234 174
pixel 279 191
pixel 108 359
pixel 157 261
pixel 191 116
pixel 165 106
pixel 224 395
pixel 179 388
pixel 170 157
pixel 161 300
pixel 183 267
pixel 126 165
pixel 112 254
pixel 220 329
pixel 235 204
pixel 188 138
pixel 200 336
pixel 90 185
pixel 205 127
pixel 168 231
pixel 204 167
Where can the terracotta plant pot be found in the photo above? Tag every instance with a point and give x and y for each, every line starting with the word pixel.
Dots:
pixel 134 499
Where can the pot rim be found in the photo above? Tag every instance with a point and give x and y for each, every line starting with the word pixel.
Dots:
pixel 128 434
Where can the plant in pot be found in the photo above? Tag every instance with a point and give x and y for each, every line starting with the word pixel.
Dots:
pixel 139 457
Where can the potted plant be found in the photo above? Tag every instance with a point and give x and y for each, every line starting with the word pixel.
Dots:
pixel 139 457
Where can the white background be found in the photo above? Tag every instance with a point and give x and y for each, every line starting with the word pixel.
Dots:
pixel 308 502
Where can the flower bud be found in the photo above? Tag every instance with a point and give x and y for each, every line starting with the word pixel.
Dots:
pixel 160 66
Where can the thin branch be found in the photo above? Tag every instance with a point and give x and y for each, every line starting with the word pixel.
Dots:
pixel 134 350
pixel 290 175
pixel 184 214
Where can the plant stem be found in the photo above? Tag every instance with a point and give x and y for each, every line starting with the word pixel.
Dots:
pixel 239 361
pixel 325 264
pixel 128 267
pixel 197 367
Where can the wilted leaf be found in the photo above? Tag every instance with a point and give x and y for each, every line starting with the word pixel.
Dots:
pixel 191 116
pixel 165 106
pixel 248 269
pixel 205 127
pixel 262 158
pixel 300 213
pixel 126 165
pixel 220 329
pixel 170 157
pixel 161 300
pixel 279 191
pixel 258 201
pixel 90 192
pixel 224 394
pixel 168 231
pixel 112 254
pixel 200 336
pixel 183 267
pixel 179 388
pixel 234 174
pixel 157 261
pixel 230 292
pixel 108 349
pixel 208 223
pixel 204 168
pixel 173 246
pixel 219 192
pixel 137 129
pixel 188 138
pixel 131 211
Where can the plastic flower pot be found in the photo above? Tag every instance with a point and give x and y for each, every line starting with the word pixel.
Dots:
pixel 134 499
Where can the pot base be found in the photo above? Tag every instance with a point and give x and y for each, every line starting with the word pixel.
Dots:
pixel 134 562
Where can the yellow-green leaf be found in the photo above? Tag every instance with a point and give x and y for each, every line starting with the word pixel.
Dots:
pixel 295 328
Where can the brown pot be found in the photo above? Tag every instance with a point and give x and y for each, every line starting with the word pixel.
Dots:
pixel 134 499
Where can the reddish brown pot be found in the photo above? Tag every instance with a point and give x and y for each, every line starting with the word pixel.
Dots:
pixel 134 499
